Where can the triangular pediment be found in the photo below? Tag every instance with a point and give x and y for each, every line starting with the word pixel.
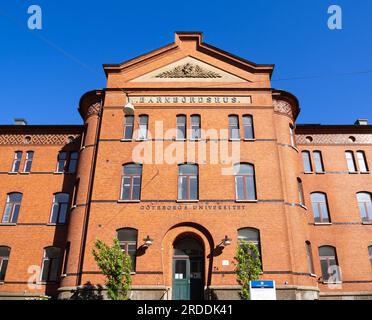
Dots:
pixel 188 69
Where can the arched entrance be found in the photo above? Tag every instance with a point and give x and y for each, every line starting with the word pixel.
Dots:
pixel 188 268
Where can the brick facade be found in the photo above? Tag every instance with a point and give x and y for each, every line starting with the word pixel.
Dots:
pixel 96 210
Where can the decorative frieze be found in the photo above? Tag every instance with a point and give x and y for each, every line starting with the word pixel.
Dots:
pixel 310 139
pixel 283 107
pixel 188 70
pixel 32 139
pixel 94 109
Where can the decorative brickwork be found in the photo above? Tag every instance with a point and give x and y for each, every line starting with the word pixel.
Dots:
pixel 54 139
pixel 333 139
pixel 283 107
pixel 94 109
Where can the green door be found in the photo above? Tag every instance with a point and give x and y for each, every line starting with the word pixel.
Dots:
pixel 181 279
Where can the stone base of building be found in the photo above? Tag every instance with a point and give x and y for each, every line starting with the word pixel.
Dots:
pixel 360 295
pixel 21 296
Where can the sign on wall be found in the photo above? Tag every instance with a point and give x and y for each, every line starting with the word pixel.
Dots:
pixel 262 290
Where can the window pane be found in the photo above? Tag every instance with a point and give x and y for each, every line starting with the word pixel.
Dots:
pixel 15 197
pixel 45 271
pixel 324 268
pixel 132 169
pixel 62 213
pixel 318 161
pixel 193 188
pixel 136 192
pixel 350 161
pixel 306 161
pixel 251 192
pixel 362 161
pixel 54 214
pixel 181 127
pixel 195 127
pixel 309 258
pixel 316 212
pixel 53 276
pixel 182 187
pixel 128 128
pixel 243 169
pixel 239 185
pixel 248 234
pixel 125 194
pixel 127 234
pixel 234 127
pixel 143 124
pixel 3 267
pixel 248 127
pixel 324 212
pixel 16 208
pixel 188 169
pixel 7 212
pixel 327 251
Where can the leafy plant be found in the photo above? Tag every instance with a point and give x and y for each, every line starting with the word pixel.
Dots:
pixel 248 266
pixel 115 264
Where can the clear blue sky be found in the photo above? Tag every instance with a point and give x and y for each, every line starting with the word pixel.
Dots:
pixel 44 73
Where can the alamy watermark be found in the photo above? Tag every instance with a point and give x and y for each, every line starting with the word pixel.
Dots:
pixel 35 19
pixel 335 18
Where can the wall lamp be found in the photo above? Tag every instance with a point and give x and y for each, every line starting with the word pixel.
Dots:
pixel 148 241
pixel 226 241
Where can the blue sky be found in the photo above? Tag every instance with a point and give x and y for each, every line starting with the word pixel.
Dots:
pixel 44 72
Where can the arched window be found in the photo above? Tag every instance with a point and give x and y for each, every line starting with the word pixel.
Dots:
pixel 309 256
pixel 128 127
pixel 245 186
pixel 181 127
pixel 362 162
pixel 318 161
pixel 195 127
pixel 306 161
pixel 143 127
pixel 370 254
pixel 188 182
pixel 59 208
pixel 320 207
pixel 365 206
pixel 350 160
pixel 28 161
pixel 17 161
pixel 329 264
pixel 4 258
pixel 131 182
pixel 300 189
pixel 248 127
pixel 292 135
pixel 51 264
pixel 128 242
pixel 12 207
pixel 250 235
pixel 234 127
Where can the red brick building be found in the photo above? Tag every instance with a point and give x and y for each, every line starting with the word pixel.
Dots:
pixel 237 167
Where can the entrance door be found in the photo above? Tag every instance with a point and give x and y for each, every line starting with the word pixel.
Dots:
pixel 188 270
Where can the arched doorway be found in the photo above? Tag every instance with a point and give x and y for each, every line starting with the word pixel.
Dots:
pixel 188 268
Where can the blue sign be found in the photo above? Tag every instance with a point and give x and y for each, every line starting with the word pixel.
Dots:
pixel 269 284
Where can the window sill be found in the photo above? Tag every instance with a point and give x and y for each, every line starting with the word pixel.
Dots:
pixel 313 275
pixel 246 201
pixel 11 172
pixel 322 223
pixel 331 282
pixel 235 139
pixel 181 140
pixel 24 173
pixel 303 206
pixel 55 224
pixel 365 172
pixel 320 172
pixel 250 140
pixel 1 282
pixel 129 201
pixel 8 224
pixel 184 201
pixel 126 140
pixel 140 140
pixel 353 172
pixel 57 172
pixel 367 222
pixel 195 140
pixel 308 172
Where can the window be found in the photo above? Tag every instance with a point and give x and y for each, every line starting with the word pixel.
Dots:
pixel 320 207
pixel 370 254
pixel 188 182
pixel 143 126
pixel 16 161
pixel 73 162
pixel 248 127
pixel 131 182
pixel 245 186
pixel 59 208
pixel 67 254
pixel 195 127
pixel 300 192
pixel 128 242
pixel 76 190
pixel 250 235
pixel 12 207
pixel 128 127
pixel 365 206
pixel 350 161
pixel 306 161
pixel 362 163
pixel 309 256
pixel 4 258
pixel 329 264
pixel 28 162
pixel 318 162
pixel 50 265
pixel 291 133
pixel 61 163
pixel 181 127
pixel 234 127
